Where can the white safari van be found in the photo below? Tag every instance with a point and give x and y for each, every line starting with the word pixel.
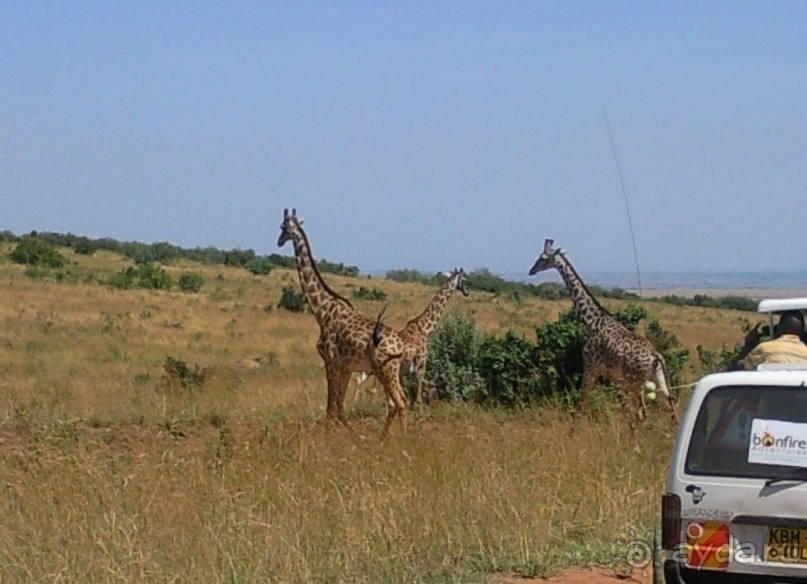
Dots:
pixel 735 506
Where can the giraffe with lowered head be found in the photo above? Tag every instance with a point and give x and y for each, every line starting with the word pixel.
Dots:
pixel 417 331
pixel 345 334
pixel 611 348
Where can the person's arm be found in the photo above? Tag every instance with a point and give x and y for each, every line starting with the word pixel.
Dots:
pixel 752 359
pixel 741 360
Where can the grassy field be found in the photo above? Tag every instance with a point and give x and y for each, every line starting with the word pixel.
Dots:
pixel 112 472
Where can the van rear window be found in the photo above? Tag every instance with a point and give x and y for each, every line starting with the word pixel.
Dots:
pixel 720 440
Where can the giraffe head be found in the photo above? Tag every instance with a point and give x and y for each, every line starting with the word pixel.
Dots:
pixel 548 258
pixel 288 227
pixel 459 280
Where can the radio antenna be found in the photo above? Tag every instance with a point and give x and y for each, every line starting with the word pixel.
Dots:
pixel 625 198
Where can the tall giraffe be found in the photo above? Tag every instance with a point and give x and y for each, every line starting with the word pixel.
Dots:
pixel 611 348
pixel 344 333
pixel 417 331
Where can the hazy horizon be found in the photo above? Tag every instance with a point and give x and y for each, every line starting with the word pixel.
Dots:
pixel 785 281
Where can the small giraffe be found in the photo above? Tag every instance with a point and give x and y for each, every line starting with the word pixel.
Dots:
pixel 417 331
pixel 344 333
pixel 611 348
pixel 366 385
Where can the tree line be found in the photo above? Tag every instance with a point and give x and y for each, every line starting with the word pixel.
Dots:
pixel 33 252
pixel 164 252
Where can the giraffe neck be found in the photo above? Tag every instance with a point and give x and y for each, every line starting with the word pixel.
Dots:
pixel 317 292
pixel 587 307
pixel 427 320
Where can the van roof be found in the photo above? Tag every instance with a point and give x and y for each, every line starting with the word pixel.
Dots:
pixel 782 304
pixel 794 376
pixel 782 367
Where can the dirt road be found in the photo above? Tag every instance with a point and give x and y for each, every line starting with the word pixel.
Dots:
pixel 600 576
pixel 585 576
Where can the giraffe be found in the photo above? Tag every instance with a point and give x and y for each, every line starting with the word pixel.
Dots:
pixel 611 348
pixel 417 331
pixel 344 333
pixel 366 385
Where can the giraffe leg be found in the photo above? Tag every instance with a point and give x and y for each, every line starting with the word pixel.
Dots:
pixel 631 400
pixel 589 378
pixel 332 375
pixel 420 375
pixel 593 367
pixel 396 401
pixel 627 409
pixel 671 402
pixel 590 375
pixel 338 382
pixel 342 383
pixel 630 410
pixel 642 407
pixel 366 385
pixel 634 384
pixel 673 408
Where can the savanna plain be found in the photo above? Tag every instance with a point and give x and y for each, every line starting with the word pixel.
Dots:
pixel 113 471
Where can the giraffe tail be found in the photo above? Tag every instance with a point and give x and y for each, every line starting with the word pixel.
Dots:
pixel 661 377
pixel 373 347
pixel 376 338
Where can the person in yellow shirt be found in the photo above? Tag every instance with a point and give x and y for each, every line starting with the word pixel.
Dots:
pixel 785 347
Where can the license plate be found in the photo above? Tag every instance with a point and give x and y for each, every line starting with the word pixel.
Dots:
pixel 786 545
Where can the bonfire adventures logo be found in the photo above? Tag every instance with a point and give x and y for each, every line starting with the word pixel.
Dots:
pixel 786 443
pixel 778 442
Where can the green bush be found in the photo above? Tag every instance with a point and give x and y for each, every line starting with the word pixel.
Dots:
pixel 465 364
pixel 124 280
pixel 260 266
pixel 452 366
pixel 513 295
pixel 716 361
pixel 154 277
pixel 549 291
pixel 33 251
pixel 508 370
pixel 191 282
pixel 486 281
pixel 631 316
pixel 35 272
pixel 291 299
pixel 142 276
pixel 339 269
pixel 186 376
pixel 726 358
pixel 83 246
pixel 559 356
pixel 409 275
pixel 367 294
pixel 239 258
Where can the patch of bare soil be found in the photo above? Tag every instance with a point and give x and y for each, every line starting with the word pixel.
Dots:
pixel 583 576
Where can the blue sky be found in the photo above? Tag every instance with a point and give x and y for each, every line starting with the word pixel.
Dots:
pixel 414 134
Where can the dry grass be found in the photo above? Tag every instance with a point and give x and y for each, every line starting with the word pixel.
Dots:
pixel 464 494
pixel 112 473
